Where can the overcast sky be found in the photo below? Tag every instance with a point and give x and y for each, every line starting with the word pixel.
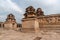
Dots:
pixel 17 7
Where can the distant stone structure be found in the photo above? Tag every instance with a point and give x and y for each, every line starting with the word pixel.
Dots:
pixel 1 24
pixel 10 22
pixel 36 20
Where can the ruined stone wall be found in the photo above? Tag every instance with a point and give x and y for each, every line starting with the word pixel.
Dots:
pixel 49 23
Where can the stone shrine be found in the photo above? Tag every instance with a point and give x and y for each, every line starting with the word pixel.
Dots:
pixel 10 22
pixel 30 22
pixel 35 20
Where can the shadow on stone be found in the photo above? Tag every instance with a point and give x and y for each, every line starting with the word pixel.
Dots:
pixel 38 38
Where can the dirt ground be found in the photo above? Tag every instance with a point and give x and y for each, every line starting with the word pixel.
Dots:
pixel 17 35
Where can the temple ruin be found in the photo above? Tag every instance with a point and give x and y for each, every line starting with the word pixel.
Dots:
pixel 10 22
pixel 36 20
pixel 33 21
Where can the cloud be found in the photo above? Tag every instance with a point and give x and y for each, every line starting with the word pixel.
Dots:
pixel 8 5
pixel 2 16
pixel 19 6
pixel 46 2
pixel 51 1
pixel 49 6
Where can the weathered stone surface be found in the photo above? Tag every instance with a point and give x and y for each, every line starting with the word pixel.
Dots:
pixel 30 12
pixel 10 22
pixel 31 23
pixel 2 24
pixel 40 12
pixel 45 22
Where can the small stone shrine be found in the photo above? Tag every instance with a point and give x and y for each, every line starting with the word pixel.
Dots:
pixel 10 22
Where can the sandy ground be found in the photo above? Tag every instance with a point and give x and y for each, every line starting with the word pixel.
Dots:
pixel 17 35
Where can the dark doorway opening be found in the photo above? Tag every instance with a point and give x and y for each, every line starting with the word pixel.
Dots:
pixel 19 25
pixel 0 25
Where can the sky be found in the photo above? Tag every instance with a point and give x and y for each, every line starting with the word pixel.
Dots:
pixel 17 7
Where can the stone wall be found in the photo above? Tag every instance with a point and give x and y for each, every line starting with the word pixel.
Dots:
pixel 49 23
pixel 44 22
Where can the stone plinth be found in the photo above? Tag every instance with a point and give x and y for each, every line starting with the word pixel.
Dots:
pixel 30 25
pixel 10 26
